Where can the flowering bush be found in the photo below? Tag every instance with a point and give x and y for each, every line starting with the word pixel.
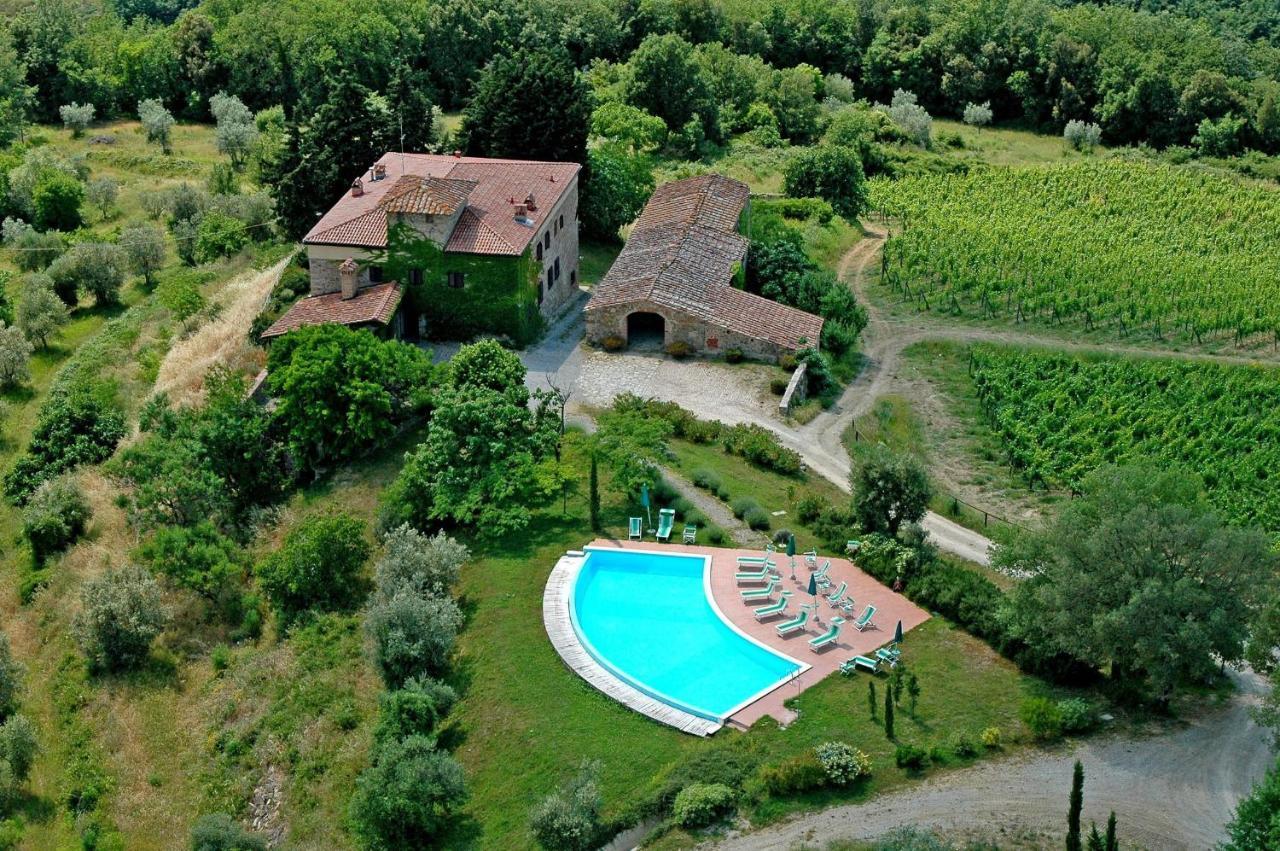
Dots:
pixel 843 762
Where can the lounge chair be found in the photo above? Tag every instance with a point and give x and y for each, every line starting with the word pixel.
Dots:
pixel 828 637
pixel 820 575
pixel 836 598
pixel 755 561
pixel 766 612
pixel 864 619
pixel 635 529
pixel 811 559
pixel 666 521
pixel 796 624
pixel 852 547
pixel 764 574
pixel 851 665
pixel 888 657
pixel 690 533
pixel 755 595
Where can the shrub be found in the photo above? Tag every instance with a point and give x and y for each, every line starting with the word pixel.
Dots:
pixel 40 312
pixel 778 385
pixel 122 614
pixel 219 235
pixel 407 796
pixel 706 479
pixel 843 763
pixel 417 708
pixel 613 344
pixel 729 765
pixel 1042 717
pixel 742 505
pixel 15 356
pixel 678 350
pixel 220 832
pixel 1082 136
pixel 97 268
pixel 569 818
pixel 413 562
pixel 55 516
pixel 734 356
pixel 198 558
pixel 978 114
pixel 76 117
pixel 35 250
pixel 910 757
pixel 756 518
pixel 1077 715
pixel 220 658
pixel 56 202
pixel 788 361
pixel 696 517
pixel 800 773
pixel 682 506
pixel 809 508
pixel 11 673
pixel 317 566
pixel 964 746
pixel 701 804
pixel 991 738
pixel 412 635
pixel 18 749
pixel 761 447
pixel 831 172
pixel 723 493
pixel 715 535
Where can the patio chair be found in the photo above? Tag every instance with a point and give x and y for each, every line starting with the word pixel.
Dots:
pixel 635 529
pixel 820 575
pixel 666 521
pixel 764 574
pixel 766 612
pixel 796 624
pixel 690 533
pixel 827 638
pixel 864 619
pixel 888 657
pixel 811 559
pixel 852 547
pixel 837 598
pixel 851 665
pixel 754 561
pixel 755 595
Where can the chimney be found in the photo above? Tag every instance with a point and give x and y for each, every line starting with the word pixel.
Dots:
pixel 379 171
pixel 521 212
pixel 348 276
pixel 457 155
pixel 357 188
pixel 529 202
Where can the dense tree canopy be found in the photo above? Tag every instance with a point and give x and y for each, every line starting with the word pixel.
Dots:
pixel 531 106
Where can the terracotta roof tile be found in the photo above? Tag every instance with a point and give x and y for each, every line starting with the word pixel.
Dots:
pixel 375 303
pixel 499 185
pixel 682 254
pixel 472 235
pixel 433 196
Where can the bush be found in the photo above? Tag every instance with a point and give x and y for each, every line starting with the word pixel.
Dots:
pixel 809 508
pixel 778 385
pixel 761 447
pixel 219 235
pixel 729 765
pixel 1042 717
pixel 18 749
pixel 417 708
pixel 800 773
pixel 843 763
pixel 701 804
pixel 991 738
pixel 757 518
pixel 681 506
pixel 569 818
pixel 122 614
pixel 55 516
pixel 831 172
pixel 1077 715
pixel 742 505
pixel 11 673
pixel 76 117
pixel 715 535
pixel 734 356
pixel 198 558
pixel 910 757
pixel 317 566
pixel 407 796
pixel 788 362
pixel 613 344
pixel 56 201
pixel 678 350
pixel 413 562
pixel 412 635
pixel 15 356
pixel 706 479
pixel 220 832
pixel 964 746
pixel 1082 136
pixel 97 268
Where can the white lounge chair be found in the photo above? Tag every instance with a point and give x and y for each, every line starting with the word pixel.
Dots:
pixel 635 529
pixel 766 612
pixel 828 637
pixel 864 619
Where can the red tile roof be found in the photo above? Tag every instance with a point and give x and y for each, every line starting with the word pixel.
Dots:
pixel 371 304
pixel 490 189
pixel 683 253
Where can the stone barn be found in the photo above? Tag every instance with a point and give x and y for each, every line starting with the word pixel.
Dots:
pixel 675 280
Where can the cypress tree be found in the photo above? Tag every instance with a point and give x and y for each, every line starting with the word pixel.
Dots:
pixel 1110 843
pixel 1073 813
pixel 594 487
pixel 888 713
pixel 871 698
pixel 1095 838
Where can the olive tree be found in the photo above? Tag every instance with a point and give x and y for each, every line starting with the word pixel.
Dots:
pixel 978 114
pixel 122 613
pixel 76 117
pixel 102 193
pixel 144 245
pixel 411 561
pixel 11 674
pixel 15 356
pixel 412 635
pixel 236 131
pixel 406 797
pixel 157 122
pixel 97 268
pixel 890 490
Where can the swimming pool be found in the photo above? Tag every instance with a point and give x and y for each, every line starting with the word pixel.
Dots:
pixel 649 618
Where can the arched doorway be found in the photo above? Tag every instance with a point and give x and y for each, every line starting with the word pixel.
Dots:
pixel 646 330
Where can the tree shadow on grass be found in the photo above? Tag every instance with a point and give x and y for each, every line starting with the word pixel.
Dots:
pixel 463 832
pixel 158 673
pixel 34 809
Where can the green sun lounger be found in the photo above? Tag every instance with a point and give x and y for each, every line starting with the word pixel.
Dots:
pixel 864 619
pixel 756 594
pixel 754 561
pixel 635 529
pixel 765 612
pixel 828 637
pixel 690 533
pixel 888 657
pixel 871 665
pixel 795 624
pixel 764 574
pixel 666 522
pixel 820 575
pixel 836 598
pixel 811 558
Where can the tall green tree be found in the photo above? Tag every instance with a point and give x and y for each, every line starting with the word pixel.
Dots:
pixel 621 182
pixel 890 489
pixel 16 97
pixel 1074 806
pixel 830 172
pixel 533 106
pixel 667 80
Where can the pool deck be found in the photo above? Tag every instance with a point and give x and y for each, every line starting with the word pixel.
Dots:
pixel 890 608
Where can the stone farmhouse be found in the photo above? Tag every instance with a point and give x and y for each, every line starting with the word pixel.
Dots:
pixel 675 279
pixel 445 246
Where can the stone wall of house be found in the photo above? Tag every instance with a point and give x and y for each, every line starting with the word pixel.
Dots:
pixel 564 247
pixel 435 228
pixel 324 270
pixel 703 337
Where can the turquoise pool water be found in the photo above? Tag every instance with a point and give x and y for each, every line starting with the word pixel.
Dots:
pixel 646 617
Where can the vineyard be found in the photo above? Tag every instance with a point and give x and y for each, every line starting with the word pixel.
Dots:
pixel 1060 416
pixel 1118 245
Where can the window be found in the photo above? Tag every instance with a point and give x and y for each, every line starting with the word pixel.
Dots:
pixel 562 220
pixel 415 277
pixel 456 280
pixel 573 278
pixel 539 252
pixel 550 280
pixel 557 268
pixel 375 274
pixel 547 240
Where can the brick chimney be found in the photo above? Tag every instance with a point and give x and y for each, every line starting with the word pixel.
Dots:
pixel 348 277
pixel 357 188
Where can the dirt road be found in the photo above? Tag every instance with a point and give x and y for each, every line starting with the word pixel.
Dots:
pixel 1174 790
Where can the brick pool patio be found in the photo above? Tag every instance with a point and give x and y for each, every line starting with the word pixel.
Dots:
pixel 890 608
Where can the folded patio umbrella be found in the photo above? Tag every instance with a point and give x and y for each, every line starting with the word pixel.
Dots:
pixel 897 633
pixel 813 592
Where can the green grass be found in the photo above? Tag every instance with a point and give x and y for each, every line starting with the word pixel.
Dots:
pixel 594 261
pixel 1008 146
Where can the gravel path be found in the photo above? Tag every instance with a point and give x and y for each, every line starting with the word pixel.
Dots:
pixel 1174 790
pixel 715 510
